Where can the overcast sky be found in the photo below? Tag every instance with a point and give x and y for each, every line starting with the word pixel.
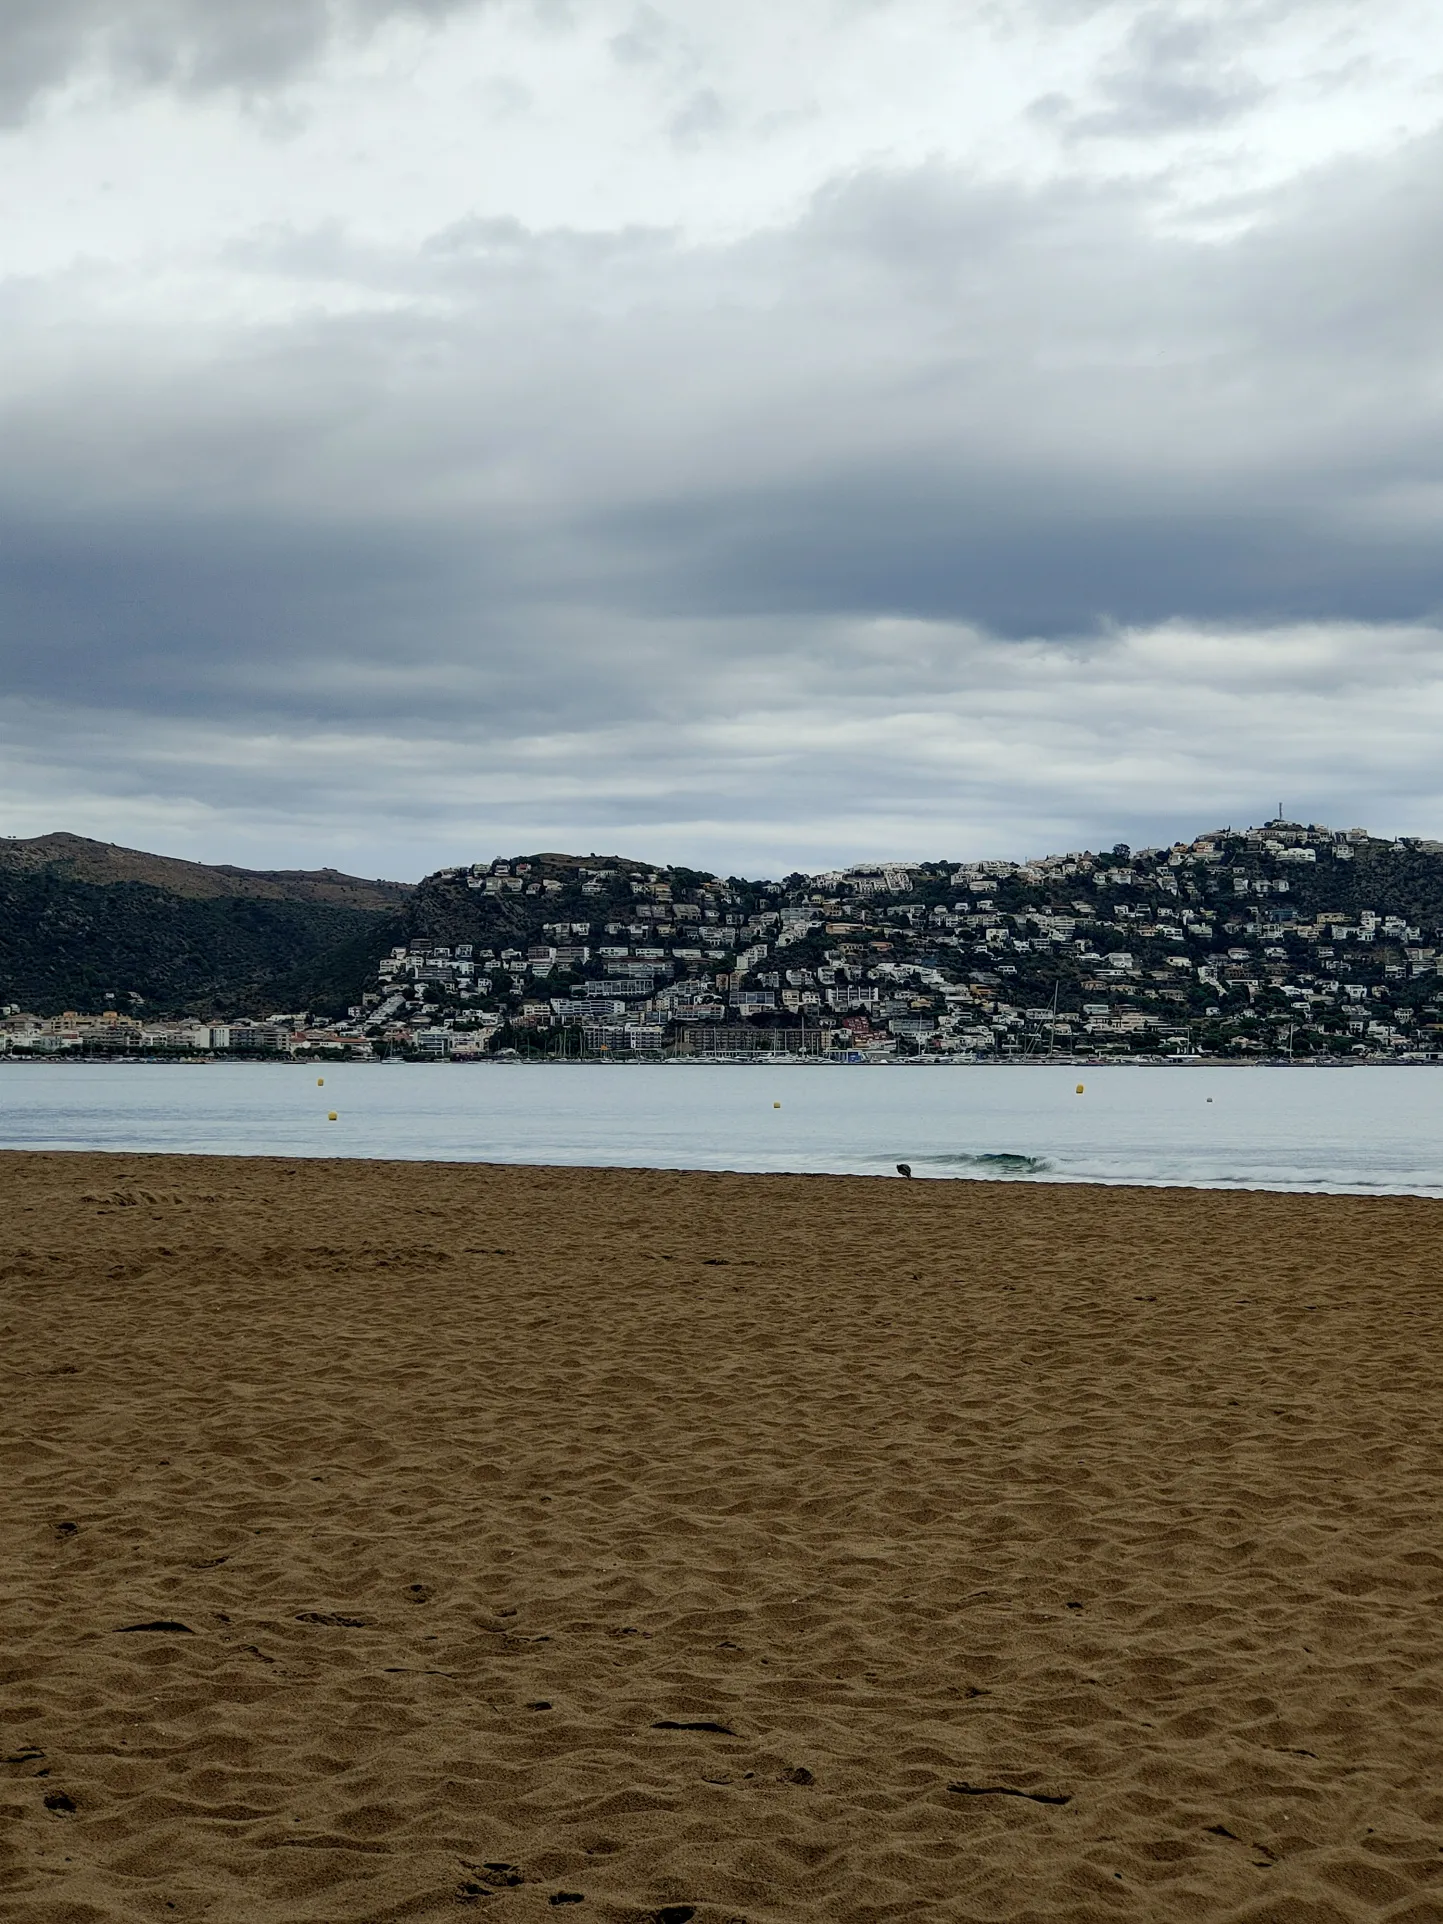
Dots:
pixel 758 436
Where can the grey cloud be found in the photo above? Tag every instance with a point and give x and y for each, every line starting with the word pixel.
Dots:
pixel 644 42
pixel 192 45
pixel 945 742
pixel 1176 73
pixel 928 397
pixel 588 498
pixel 700 119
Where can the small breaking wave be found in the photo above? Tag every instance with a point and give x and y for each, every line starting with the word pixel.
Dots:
pixel 996 1163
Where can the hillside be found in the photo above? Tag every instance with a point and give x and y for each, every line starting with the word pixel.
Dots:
pixel 89 925
pixel 1288 939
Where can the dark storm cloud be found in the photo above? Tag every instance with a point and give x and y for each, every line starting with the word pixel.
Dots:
pixel 194 45
pixel 1027 560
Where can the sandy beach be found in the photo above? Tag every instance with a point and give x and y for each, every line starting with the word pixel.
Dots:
pixel 406 1541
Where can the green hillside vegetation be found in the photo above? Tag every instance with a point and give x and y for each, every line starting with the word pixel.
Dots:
pixel 87 925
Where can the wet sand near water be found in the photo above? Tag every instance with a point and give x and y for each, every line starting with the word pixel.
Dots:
pixel 404 1541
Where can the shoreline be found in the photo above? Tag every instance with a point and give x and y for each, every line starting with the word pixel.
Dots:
pixel 281 1159
pixel 889 1177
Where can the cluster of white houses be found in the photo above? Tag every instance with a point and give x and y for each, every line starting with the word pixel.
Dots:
pixel 1220 945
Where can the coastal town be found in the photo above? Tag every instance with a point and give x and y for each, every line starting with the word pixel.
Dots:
pixel 1289 942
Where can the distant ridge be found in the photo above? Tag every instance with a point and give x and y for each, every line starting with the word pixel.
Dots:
pixel 93 924
pixel 107 863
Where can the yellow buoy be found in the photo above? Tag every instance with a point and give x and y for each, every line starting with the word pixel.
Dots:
pixel 320 1082
pixel 331 1117
pixel 1079 1088
pixel 776 1105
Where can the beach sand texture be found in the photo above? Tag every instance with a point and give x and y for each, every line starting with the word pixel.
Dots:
pixel 701 1546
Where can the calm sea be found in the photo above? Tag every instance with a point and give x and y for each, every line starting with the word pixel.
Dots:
pixel 1369 1130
